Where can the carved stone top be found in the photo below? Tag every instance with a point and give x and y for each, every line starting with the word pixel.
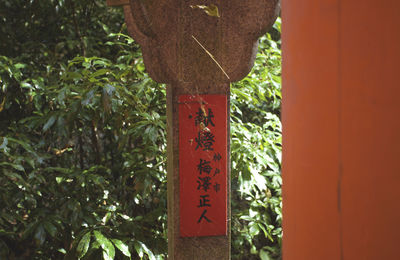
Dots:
pixel 182 43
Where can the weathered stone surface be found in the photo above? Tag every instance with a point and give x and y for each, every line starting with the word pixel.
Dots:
pixel 167 31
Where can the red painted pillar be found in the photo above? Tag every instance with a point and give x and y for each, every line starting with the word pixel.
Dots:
pixel 341 129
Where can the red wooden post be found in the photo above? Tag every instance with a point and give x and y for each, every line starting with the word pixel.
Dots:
pixel 341 129
pixel 198 55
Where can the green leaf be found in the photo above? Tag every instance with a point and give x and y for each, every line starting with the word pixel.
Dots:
pixel 26 85
pixel 50 228
pixel 264 255
pixel 254 229
pixel 62 251
pixel 40 235
pixel 5 142
pixel 29 229
pixel 15 166
pixel 142 248
pixel 49 123
pixel 83 245
pixel 99 73
pixel 108 247
pixel 122 247
pixel 106 256
pixel 138 248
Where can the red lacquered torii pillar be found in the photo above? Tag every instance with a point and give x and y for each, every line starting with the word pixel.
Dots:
pixel 198 48
pixel 341 129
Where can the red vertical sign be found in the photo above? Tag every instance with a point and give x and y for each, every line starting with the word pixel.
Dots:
pixel 203 165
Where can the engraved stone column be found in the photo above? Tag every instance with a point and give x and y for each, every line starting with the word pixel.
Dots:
pixel 198 48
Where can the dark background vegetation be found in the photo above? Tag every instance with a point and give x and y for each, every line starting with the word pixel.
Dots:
pixel 83 140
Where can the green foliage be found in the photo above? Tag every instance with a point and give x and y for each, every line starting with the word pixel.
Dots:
pixel 84 162
pixel 256 156
pixel 83 144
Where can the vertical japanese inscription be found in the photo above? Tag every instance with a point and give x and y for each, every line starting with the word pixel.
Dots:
pixel 203 165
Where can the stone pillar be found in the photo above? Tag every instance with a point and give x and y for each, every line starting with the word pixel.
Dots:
pixel 197 48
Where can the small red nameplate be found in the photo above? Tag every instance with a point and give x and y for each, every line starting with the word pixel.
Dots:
pixel 203 165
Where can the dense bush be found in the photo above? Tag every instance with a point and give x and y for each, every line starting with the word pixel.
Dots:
pixel 82 140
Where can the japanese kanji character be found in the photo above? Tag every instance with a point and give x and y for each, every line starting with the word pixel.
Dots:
pixel 201 117
pixel 205 140
pixel 216 172
pixel 203 201
pixel 204 183
pixel 204 166
pixel 217 157
pixel 203 215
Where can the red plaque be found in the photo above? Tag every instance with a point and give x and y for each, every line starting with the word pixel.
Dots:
pixel 203 165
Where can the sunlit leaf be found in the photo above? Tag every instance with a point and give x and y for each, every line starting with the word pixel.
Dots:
pixel 83 245
pixel 108 247
pixel 122 247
